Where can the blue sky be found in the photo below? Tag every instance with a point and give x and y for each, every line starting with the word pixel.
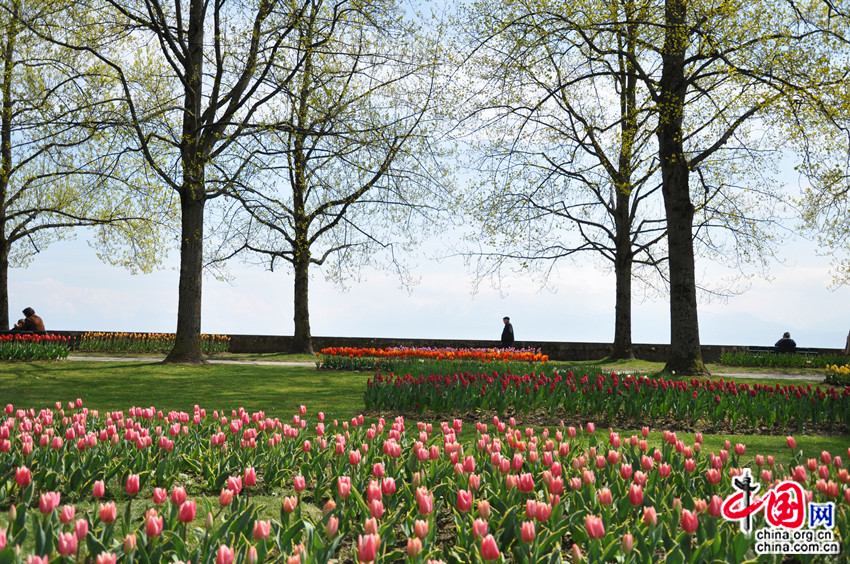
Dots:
pixel 72 290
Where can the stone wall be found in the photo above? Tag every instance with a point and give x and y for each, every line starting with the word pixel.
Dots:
pixel 555 350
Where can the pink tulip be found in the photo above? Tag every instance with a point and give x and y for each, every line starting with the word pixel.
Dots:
pixel 289 504
pixel 299 483
pixel 250 478
pixel 99 489
pixel 132 485
pixel 153 523
pixel 376 508
pixel 594 526
pixel 106 558
pixel 414 547
pixel 234 484
pixel 636 495
pixel 187 511
pixel 3 539
pixel 713 476
pixel 426 501
pixel 108 512
pixel 489 548
pixel 605 497
pixel 343 484
pixel 49 501
pixel 527 531
pixel 464 500
pixel 790 441
pixel 159 495
pixel 479 528
pixel 664 470
pixel 388 486
pixel 33 559
pixel 420 528
pixel 689 521
pixel 262 529
pixel 225 555
pixel 367 547
pixel 628 543
pixel 67 544
pixel 225 497
pixel 650 517
pixel 178 495
pixel 333 526
pixel 129 543
pixel 81 528
pixel 67 514
pixel 252 557
pixel 23 476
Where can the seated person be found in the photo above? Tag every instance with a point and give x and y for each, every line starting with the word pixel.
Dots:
pixel 31 322
pixel 785 344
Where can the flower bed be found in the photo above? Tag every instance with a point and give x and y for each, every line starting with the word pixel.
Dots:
pixel 383 492
pixel 144 342
pixel 353 358
pixel 33 347
pixel 636 398
pixel 838 375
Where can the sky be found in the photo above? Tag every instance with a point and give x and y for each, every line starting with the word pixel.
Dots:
pixel 72 290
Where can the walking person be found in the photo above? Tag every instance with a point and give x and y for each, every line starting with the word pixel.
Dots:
pixel 507 333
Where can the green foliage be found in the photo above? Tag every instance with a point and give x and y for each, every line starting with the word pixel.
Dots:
pixel 781 359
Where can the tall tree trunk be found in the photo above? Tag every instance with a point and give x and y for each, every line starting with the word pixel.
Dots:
pixel 685 356
pixel 6 159
pixel 187 343
pixel 623 307
pixel 303 340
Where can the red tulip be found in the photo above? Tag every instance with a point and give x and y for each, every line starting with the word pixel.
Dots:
pixel 489 548
pixel 689 521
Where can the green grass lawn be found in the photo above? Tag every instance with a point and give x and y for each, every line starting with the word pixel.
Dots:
pixel 277 390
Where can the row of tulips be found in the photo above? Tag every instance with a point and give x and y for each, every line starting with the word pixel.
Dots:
pixel 379 492
pixel 636 397
pixel 353 358
pixel 16 346
pixel 100 341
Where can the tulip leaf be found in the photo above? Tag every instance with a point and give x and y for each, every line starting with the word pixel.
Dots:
pixel 7 556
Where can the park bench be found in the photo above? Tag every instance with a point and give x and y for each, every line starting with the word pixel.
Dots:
pixel 773 350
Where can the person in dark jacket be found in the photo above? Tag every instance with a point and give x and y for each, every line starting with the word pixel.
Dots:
pixel 507 333
pixel 785 344
pixel 31 322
